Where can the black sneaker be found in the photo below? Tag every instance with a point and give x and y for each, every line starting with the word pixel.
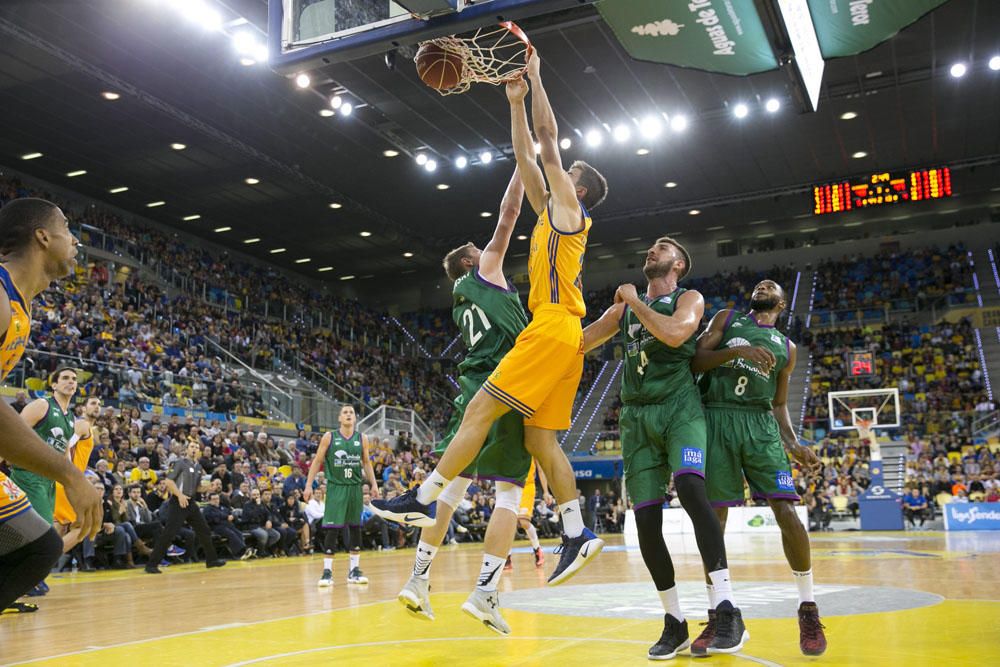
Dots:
pixel 217 562
pixel 407 510
pixel 20 608
pixel 704 640
pixel 730 632
pixel 673 640
pixel 574 554
pixel 152 569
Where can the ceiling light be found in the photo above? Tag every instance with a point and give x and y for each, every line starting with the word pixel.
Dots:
pixel 642 151
pixel 31 156
pixel 594 138
pixel 120 188
pixel 219 230
pixel 390 152
pixel 958 70
pixel 715 229
pixel 421 159
pixel 303 80
pixel 189 218
pixel 859 154
pixel 772 105
pixel 249 241
pixel 522 237
pixel 443 186
pixel 154 204
pixel 650 127
pixel 324 269
pixel 346 109
pixel 260 53
pixel 848 115
pixel 198 12
pixel 486 157
pixel 326 113
pixel 565 143
pixel 251 181
pixel 995 63
pixel 431 165
pixel 485 214
pixel 872 75
pixel 366 234
pixel 336 101
pixel 303 260
pixel 670 184
pixel 621 133
pixel 407 254
pixel 336 205
pixel 78 172
pixel 758 222
pixel 247 62
pixel 461 161
pixel 277 251
pixel 741 110
pixel 678 123
pixel 110 96
pixel 244 42
pixel 694 211
pixel 178 147
pixel 347 277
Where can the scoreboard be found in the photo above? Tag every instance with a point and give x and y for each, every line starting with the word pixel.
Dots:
pixel 883 189
pixel 860 363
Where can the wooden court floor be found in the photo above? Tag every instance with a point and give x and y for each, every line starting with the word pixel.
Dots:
pixel 887 599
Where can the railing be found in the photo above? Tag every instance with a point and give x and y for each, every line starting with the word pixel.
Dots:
pixel 389 421
pixel 988 423
pixel 892 309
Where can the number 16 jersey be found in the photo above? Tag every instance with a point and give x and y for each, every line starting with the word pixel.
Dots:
pixel 490 319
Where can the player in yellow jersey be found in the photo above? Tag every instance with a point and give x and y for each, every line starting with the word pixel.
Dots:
pixel 80 447
pixel 36 247
pixel 527 508
pixel 538 377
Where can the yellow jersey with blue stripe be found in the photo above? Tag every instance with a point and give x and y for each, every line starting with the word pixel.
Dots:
pixel 555 265
pixel 12 344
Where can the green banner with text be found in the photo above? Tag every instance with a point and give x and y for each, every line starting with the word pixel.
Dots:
pixel 715 35
pixel 848 27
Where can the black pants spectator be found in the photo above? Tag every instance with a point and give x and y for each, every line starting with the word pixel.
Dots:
pixel 288 538
pixel 176 517
pixel 234 538
pixel 374 527
pixel 912 515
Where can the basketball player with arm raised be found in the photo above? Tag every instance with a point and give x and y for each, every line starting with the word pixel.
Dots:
pixel 746 364
pixel 37 248
pixel 539 377
pixel 663 435
pixel 488 311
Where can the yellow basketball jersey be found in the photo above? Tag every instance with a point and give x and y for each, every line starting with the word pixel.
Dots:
pixel 16 337
pixel 555 265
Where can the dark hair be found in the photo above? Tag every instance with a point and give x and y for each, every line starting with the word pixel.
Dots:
pixel 682 250
pixel 54 375
pixel 453 261
pixel 18 221
pixel 596 185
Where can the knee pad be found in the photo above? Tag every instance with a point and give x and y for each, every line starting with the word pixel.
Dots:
pixel 508 496
pixel 454 493
pixel 649 519
pixel 689 487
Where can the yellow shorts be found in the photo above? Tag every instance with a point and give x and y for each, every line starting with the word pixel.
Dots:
pixel 12 499
pixel 539 376
pixel 528 493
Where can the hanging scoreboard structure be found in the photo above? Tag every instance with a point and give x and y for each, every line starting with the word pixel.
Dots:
pixel 860 363
pixel 882 189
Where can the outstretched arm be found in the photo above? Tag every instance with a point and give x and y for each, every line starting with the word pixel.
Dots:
pixel 672 330
pixel 598 332
pixel 491 261
pixel 707 357
pixel 524 148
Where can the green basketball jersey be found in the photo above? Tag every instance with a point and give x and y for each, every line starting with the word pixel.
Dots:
pixel 654 371
pixel 490 318
pixel 56 428
pixel 738 382
pixel 343 459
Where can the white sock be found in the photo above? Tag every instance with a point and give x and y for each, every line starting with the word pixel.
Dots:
pixel 431 488
pixel 804 582
pixel 722 587
pixel 422 563
pixel 671 603
pixel 327 564
pixel 533 536
pixel 572 518
pixel 489 573
pixel 355 561
pixel 712 602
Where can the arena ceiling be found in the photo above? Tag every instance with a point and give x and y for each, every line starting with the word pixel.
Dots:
pixel 180 84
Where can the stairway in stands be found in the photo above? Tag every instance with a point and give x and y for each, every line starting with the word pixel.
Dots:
pixel 588 413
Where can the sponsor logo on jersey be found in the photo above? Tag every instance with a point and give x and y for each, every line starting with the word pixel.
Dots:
pixel 784 481
pixel 633 330
pixel 692 457
pixel 776 339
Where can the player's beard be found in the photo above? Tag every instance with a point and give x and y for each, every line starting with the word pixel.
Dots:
pixel 764 303
pixel 658 270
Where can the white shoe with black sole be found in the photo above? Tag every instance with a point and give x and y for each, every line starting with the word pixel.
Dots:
pixel 415 596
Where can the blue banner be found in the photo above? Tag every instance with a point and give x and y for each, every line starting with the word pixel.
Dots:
pixel 597 468
pixel 972 516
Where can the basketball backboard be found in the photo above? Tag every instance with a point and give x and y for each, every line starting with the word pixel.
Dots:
pixel 878 406
pixel 306 34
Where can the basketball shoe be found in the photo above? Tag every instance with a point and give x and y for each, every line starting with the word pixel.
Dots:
pixel 674 639
pixel 406 509
pixel 539 557
pixel 485 607
pixel 326 579
pixel 730 632
pixel 812 640
pixel 415 596
pixel 704 640
pixel 574 554
pixel 356 576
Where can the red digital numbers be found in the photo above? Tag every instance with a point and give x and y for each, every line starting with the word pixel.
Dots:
pixel 881 190
pixel 861 364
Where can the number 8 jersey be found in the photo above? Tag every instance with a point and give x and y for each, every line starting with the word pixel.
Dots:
pixel 655 372
pixel 739 382
pixel 490 319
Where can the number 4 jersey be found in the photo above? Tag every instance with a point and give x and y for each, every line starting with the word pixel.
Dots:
pixel 739 382
pixel 490 318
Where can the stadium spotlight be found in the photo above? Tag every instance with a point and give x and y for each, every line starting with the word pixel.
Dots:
pixel 772 105
pixel 678 123
pixel 565 143
pixel 346 108
pixel 621 133
pixel 958 70
pixel 650 127
pixel 486 157
pixel 995 63
pixel 303 80
pixel 421 159
pixel 461 162
pixel 594 138
pixel 741 110
pixel 431 165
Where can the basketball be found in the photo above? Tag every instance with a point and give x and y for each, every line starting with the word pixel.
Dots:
pixel 437 67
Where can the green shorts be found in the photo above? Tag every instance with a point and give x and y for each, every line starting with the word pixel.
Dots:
pixel 41 491
pixel 343 505
pixel 745 444
pixel 658 440
pixel 503 457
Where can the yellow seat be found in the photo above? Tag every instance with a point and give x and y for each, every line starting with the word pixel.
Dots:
pixel 840 504
pixel 942 499
pixel 36 384
pixel 285 470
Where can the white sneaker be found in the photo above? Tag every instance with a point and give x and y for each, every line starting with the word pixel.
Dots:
pixel 356 576
pixel 415 597
pixel 326 579
pixel 249 553
pixel 461 529
pixel 485 607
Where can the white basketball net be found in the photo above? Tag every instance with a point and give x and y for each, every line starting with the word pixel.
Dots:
pixel 492 55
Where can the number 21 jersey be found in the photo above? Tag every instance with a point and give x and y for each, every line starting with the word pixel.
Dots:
pixel 490 318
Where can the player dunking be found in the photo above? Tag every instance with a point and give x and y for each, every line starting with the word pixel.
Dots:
pixel 747 363
pixel 37 248
pixel 539 377
pixel 487 309
pixel 663 433
pixel 345 456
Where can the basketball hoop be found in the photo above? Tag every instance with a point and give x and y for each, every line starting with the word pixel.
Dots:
pixel 493 55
